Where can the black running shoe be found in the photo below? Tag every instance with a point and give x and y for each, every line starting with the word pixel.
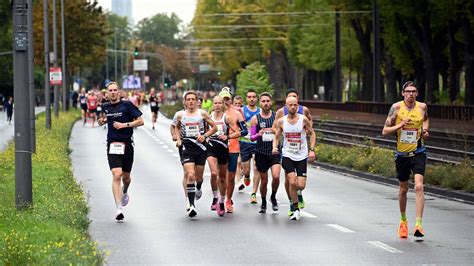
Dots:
pixel 263 207
pixel 274 204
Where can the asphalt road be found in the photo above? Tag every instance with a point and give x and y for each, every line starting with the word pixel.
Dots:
pixel 346 220
pixel 7 131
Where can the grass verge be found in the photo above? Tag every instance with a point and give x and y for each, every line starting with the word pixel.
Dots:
pixel 55 229
pixel 381 161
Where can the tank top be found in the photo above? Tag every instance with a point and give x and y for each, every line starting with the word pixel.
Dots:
pixel 82 99
pixel 153 101
pixel 222 129
pixel 295 145
pixel 300 110
pixel 92 102
pixel 248 117
pixel 409 138
pixel 234 146
pixel 265 142
pixel 192 125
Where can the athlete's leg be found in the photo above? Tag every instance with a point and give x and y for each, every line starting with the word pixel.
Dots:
pixel 402 197
pixel 420 197
pixel 117 185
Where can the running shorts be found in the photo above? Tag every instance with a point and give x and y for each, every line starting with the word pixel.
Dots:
pixel 124 161
pixel 264 162
pixel 246 151
pixel 84 107
pixel 155 109
pixel 406 165
pixel 233 159
pixel 218 151
pixel 290 166
pixel 191 153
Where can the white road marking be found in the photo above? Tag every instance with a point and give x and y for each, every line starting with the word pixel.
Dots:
pixel 385 247
pixel 307 214
pixel 164 146
pixel 341 228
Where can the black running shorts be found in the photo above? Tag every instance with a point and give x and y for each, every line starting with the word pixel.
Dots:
pixel 413 164
pixel 264 162
pixel 124 161
pixel 155 109
pixel 191 153
pixel 290 166
pixel 218 151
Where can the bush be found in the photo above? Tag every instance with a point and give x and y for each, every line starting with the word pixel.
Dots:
pixel 55 229
pixel 255 77
pixel 170 109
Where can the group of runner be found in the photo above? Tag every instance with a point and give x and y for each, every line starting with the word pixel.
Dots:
pixel 201 136
pixel 273 139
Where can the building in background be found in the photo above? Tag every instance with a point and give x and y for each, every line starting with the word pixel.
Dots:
pixel 124 8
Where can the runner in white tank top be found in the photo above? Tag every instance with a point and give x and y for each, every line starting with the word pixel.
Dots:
pixel 295 151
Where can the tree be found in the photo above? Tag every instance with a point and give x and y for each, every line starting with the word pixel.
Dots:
pixel 160 29
pixel 255 77
pixel 6 61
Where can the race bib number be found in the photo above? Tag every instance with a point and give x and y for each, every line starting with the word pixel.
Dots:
pixel 99 109
pixel 408 135
pixel 220 129
pixel 268 136
pixel 117 148
pixel 152 104
pixel 83 101
pixel 192 130
pixel 293 145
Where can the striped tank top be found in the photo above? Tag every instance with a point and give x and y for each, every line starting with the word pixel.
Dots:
pixel 265 142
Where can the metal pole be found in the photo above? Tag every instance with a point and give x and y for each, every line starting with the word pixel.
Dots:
pixel 31 64
pixel 377 93
pixel 121 58
pixel 106 60
pixel 115 68
pixel 55 61
pixel 63 58
pixel 23 180
pixel 47 88
pixel 337 96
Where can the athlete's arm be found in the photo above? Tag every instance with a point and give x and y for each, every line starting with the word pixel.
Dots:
pixel 390 127
pixel 233 125
pixel 312 138
pixel 102 120
pixel 254 135
pixel 426 121
pixel 278 115
pixel 276 140
pixel 177 129
pixel 212 125
pixel 307 113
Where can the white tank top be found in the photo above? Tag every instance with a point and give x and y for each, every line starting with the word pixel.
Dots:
pixel 221 129
pixel 294 139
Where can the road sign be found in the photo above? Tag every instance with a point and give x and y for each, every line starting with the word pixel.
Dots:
pixel 204 68
pixel 140 65
pixel 55 76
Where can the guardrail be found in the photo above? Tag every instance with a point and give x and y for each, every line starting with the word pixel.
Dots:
pixel 451 112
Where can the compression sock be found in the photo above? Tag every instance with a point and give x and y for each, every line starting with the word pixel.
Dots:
pixel 191 189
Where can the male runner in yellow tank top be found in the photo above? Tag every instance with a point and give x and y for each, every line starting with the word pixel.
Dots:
pixel 409 120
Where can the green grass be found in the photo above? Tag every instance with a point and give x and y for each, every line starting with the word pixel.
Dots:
pixel 381 161
pixel 170 110
pixel 55 229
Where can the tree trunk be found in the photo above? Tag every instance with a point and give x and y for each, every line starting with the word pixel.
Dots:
pixel 468 58
pixel 391 78
pixel 454 63
pixel 363 37
pixel 276 66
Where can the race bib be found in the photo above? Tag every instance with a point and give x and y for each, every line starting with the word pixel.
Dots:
pixel 268 136
pixel 293 145
pixel 408 135
pixel 99 109
pixel 220 129
pixel 83 101
pixel 117 148
pixel 192 130
pixel 152 104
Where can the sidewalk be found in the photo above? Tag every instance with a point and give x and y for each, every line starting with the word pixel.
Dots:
pixel 7 131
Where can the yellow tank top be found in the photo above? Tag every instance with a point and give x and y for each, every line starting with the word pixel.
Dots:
pixel 409 137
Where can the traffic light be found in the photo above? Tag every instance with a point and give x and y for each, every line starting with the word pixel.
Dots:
pixel 167 83
pixel 135 53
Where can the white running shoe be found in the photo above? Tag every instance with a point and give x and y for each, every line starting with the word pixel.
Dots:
pixel 192 211
pixel 295 216
pixel 198 194
pixel 119 215
pixel 125 199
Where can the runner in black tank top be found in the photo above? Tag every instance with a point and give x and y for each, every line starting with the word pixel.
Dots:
pixel 262 132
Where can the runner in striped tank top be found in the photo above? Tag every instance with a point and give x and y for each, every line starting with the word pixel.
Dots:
pixel 262 132
pixel 218 153
pixel 295 151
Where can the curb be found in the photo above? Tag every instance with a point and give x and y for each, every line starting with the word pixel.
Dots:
pixel 435 191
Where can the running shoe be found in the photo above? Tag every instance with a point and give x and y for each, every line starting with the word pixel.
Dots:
pixel 119 215
pixel 274 204
pixel 153 128
pixel 419 232
pixel 247 181
pixel 300 201
pixel 125 199
pixel 220 209
pixel 291 210
pixel 229 206
pixel 295 216
pixel 253 198
pixel 403 229
pixel 187 205
pixel 263 207
pixel 192 211
pixel 214 204
pixel 241 186
pixel 198 194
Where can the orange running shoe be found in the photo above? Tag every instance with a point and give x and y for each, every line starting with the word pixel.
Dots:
pixel 229 206
pixel 419 232
pixel 403 229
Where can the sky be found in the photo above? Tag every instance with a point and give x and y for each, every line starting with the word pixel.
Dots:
pixel 148 8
